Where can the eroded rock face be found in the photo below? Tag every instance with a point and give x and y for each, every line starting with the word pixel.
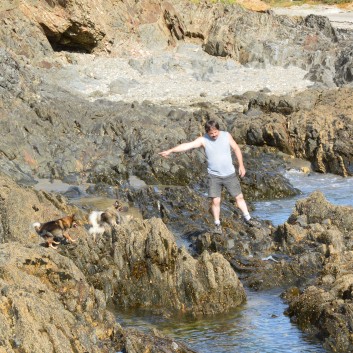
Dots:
pixel 54 134
pixel 315 125
pixel 21 207
pixel 144 268
pixel 46 114
pixel 47 305
pixel 223 30
pixel 324 307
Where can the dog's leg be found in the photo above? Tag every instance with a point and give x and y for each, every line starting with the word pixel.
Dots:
pixel 118 218
pixel 49 239
pixel 50 244
pixel 68 237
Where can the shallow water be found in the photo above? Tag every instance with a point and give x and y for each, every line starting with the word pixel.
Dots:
pixel 257 326
pixel 337 190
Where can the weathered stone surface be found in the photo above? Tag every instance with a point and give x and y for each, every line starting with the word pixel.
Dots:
pixel 324 308
pixel 21 207
pixel 111 141
pixel 41 117
pixel 224 30
pixel 48 306
pixel 49 132
pixel 143 267
pixel 315 125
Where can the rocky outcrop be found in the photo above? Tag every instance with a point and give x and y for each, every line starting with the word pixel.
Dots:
pixel 20 207
pixel 53 133
pixel 117 133
pixel 144 268
pixel 112 140
pixel 294 253
pixel 48 306
pixel 223 30
pixel 322 231
pixel 316 125
pixel 324 307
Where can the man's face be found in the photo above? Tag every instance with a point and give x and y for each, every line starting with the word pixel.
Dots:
pixel 213 133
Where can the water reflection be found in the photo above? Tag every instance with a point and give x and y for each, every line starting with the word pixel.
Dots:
pixel 337 190
pixel 257 326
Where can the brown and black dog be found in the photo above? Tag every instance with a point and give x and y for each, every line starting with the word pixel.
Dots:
pixel 110 216
pixel 56 229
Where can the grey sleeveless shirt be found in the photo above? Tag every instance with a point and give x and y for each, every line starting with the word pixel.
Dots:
pixel 219 156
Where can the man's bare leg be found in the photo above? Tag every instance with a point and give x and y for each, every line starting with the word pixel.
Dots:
pixel 216 209
pixel 240 202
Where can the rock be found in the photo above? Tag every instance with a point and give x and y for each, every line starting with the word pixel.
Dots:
pixel 58 123
pixel 323 307
pixel 298 126
pixel 55 306
pixel 136 183
pixel 156 274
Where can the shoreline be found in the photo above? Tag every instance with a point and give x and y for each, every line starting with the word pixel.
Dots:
pixel 340 18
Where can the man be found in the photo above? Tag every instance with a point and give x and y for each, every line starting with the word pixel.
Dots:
pixel 221 171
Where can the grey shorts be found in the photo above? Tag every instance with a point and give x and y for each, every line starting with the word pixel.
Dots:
pixel 230 182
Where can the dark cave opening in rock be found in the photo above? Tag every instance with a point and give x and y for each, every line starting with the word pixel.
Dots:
pixel 74 39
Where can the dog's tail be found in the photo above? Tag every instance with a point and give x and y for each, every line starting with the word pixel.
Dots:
pixel 36 226
pixel 94 219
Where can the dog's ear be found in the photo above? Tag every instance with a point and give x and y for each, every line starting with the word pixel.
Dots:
pixel 74 217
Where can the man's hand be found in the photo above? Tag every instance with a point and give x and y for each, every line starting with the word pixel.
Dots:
pixel 165 154
pixel 242 171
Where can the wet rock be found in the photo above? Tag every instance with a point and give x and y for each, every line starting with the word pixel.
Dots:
pixel 324 306
pixel 136 183
pixel 138 342
pixel 47 305
pixel 73 192
pixel 144 268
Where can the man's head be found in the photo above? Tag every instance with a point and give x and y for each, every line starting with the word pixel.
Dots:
pixel 212 129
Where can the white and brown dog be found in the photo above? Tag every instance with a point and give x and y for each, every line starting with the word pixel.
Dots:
pixel 52 230
pixel 111 216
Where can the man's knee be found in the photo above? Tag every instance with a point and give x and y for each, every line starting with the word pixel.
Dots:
pixel 239 197
pixel 216 201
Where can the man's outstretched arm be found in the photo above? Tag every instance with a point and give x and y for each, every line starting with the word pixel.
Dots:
pixel 183 147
